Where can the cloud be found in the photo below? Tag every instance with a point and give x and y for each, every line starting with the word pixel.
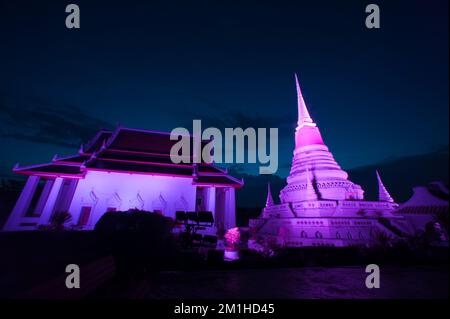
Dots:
pixel 40 121
pixel 220 119
pixel 239 119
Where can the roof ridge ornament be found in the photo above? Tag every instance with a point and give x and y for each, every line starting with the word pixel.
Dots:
pixel 304 119
pixel 103 145
pixel 114 134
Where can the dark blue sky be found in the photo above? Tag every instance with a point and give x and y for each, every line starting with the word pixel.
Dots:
pixel 376 94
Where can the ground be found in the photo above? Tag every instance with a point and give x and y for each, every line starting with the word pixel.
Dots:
pixel 285 283
pixel 32 265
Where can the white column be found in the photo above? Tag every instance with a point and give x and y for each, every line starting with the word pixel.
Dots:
pixel 230 208
pixel 211 200
pixel 211 206
pixel 22 204
pixel 41 202
pixel 51 201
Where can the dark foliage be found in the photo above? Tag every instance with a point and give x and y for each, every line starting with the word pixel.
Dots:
pixel 139 241
pixel 57 222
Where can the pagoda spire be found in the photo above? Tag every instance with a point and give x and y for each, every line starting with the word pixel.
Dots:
pixel 269 200
pixel 383 194
pixel 303 115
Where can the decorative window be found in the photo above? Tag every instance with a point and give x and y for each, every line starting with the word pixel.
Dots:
pixel 318 234
pixel 303 234
pixel 84 215
pixel 349 235
pixel 361 236
pixel 338 235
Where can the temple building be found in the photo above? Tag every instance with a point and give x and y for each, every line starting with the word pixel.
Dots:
pixel 121 170
pixel 427 209
pixel 320 206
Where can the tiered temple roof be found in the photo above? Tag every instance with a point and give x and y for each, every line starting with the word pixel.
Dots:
pixel 132 151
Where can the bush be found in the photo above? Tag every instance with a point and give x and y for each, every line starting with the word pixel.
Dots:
pixel 139 241
pixel 57 222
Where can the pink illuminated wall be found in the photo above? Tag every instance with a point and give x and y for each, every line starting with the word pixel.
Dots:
pixel 103 190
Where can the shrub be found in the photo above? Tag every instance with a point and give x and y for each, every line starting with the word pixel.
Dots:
pixel 57 221
pixel 139 240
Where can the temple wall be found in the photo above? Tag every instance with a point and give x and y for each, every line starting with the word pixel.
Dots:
pixel 89 198
pixel 330 209
pixel 321 231
pixel 102 191
pixel 329 223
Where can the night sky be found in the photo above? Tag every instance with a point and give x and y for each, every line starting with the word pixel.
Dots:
pixel 375 94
